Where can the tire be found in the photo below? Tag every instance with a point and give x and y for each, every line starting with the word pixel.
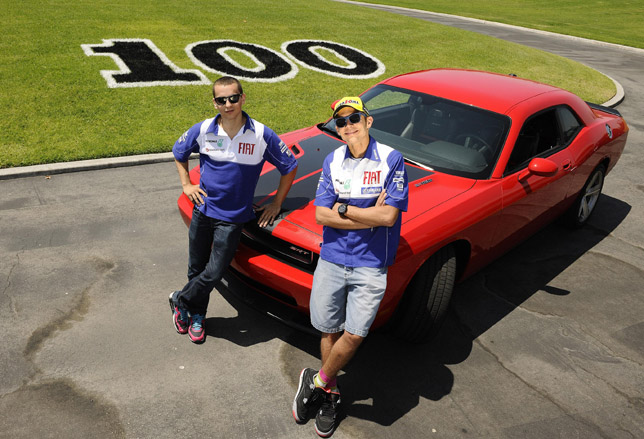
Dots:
pixel 586 202
pixel 423 307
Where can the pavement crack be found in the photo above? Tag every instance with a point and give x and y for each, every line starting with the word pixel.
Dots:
pixel 636 402
pixel 39 410
pixel 40 199
pixel 539 391
pixel 6 289
pixel 605 353
pixel 62 322
pixel 619 238
pixel 75 313
pixel 613 258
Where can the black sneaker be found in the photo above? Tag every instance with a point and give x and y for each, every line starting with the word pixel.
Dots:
pixel 307 395
pixel 325 420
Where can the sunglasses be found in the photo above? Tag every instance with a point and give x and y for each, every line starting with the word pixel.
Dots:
pixel 233 99
pixel 341 122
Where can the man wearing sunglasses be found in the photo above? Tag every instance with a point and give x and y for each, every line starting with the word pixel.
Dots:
pixel 232 150
pixel 361 192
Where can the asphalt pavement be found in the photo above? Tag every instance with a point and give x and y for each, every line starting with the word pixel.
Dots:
pixel 546 342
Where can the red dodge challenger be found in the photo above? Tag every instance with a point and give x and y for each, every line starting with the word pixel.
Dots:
pixel 491 159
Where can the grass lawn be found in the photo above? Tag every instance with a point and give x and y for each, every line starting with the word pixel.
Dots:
pixel 56 106
pixel 613 22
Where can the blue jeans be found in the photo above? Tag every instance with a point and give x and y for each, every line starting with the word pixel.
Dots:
pixel 346 298
pixel 212 245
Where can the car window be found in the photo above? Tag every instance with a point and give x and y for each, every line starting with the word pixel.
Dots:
pixel 444 135
pixel 388 98
pixel 570 124
pixel 539 136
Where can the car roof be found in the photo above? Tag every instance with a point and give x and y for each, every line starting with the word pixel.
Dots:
pixel 491 91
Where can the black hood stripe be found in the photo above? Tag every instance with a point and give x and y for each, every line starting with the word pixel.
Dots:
pixel 315 149
pixel 309 167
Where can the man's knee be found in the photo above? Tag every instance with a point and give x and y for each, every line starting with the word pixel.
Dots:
pixel 352 340
pixel 331 336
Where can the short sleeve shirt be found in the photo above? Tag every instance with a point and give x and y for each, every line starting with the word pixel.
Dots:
pixel 359 182
pixel 229 168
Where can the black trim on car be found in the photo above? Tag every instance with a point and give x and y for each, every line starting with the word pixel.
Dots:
pixel 609 110
pixel 284 298
pixel 235 287
pixel 261 240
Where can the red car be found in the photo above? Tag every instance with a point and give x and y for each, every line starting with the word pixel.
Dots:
pixel 491 159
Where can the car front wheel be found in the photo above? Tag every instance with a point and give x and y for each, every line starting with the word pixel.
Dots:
pixel 422 309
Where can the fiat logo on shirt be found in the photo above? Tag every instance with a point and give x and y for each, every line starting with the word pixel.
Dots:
pixel 371 177
pixel 246 148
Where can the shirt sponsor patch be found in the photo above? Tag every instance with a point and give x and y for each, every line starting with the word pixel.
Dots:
pixel 183 137
pixel 219 143
pixel 400 183
pixel 344 185
pixel 246 148
pixel 399 179
pixel 370 190
pixel 285 149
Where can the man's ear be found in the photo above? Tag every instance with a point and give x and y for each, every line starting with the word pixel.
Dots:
pixel 369 120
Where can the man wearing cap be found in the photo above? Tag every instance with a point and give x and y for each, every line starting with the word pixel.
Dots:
pixel 232 150
pixel 361 192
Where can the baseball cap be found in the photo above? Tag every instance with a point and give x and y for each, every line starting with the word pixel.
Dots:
pixel 349 101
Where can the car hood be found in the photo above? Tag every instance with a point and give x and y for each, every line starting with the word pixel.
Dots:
pixel 427 189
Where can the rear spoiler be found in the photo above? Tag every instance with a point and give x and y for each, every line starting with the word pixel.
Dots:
pixel 604 109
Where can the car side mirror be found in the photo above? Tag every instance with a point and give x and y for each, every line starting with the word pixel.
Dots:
pixel 540 167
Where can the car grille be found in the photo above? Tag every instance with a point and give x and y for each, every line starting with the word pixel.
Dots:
pixel 262 241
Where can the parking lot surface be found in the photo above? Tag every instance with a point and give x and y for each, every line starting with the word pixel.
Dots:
pixel 546 342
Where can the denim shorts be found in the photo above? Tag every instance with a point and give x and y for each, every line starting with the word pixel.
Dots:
pixel 346 298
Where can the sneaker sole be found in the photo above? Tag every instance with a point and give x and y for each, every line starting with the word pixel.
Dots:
pixel 321 434
pixel 197 340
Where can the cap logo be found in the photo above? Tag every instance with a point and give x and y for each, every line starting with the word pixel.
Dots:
pixel 349 101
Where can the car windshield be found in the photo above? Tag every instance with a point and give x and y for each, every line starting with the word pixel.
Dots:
pixel 443 135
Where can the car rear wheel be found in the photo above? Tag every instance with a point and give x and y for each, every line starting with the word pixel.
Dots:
pixel 587 200
pixel 422 309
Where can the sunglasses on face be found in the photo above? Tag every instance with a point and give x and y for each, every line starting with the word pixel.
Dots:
pixel 233 99
pixel 341 122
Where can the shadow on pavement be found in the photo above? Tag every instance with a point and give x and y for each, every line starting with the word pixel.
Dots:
pixel 530 267
pixel 387 377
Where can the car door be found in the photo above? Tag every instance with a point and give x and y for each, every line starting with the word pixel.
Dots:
pixel 532 199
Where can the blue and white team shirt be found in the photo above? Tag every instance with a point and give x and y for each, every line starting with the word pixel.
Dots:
pixel 359 182
pixel 230 168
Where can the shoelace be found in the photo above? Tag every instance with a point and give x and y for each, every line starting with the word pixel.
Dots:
pixel 196 321
pixel 328 407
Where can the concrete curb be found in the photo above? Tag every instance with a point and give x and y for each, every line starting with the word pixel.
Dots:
pixel 495 23
pixel 146 159
pixel 84 165
pixel 619 93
